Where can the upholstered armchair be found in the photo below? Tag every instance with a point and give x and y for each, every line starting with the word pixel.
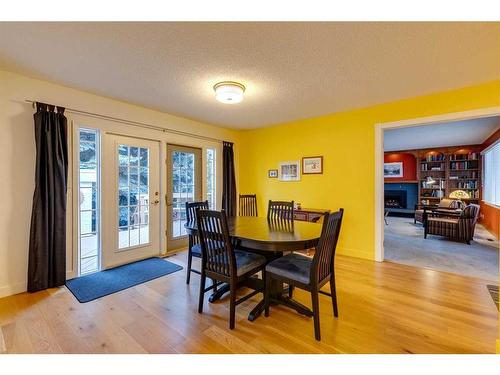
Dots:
pixel 444 205
pixel 459 226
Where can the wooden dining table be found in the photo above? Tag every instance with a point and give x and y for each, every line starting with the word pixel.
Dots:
pixel 271 239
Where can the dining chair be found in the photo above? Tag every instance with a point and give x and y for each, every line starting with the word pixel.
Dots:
pixel 194 246
pixel 280 213
pixel 310 274
pixel 248 205
pixel 222 263
pixel 280 210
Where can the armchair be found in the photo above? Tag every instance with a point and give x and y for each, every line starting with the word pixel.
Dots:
pixel 459 226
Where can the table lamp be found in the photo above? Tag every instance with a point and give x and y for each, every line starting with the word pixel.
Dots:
pixel 459 194
pixel 431 181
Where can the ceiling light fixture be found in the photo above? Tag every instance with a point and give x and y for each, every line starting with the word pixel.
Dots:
pixel 229 92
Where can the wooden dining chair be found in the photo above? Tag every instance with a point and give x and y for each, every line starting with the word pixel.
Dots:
pixel 222 263
pixel 310 274
pixel 194 246
pixel 280 210
pixel 248 205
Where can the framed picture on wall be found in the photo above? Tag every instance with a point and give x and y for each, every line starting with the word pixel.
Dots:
pixel 289 171
pixel 312 165
pixel 272 173
pixel 393 170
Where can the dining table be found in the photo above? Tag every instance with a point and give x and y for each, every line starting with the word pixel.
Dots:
pixel 270 238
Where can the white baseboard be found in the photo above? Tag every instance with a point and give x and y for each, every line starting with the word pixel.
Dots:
pixel 9 290
pixel 3 347
pixel 21 287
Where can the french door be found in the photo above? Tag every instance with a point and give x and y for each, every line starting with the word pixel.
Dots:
pixel 183 185
pixel 130 200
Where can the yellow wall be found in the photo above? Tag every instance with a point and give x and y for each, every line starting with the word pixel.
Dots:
pixel 346 141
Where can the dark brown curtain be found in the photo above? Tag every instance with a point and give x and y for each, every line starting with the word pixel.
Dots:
pixel 228 180
pixel 47 249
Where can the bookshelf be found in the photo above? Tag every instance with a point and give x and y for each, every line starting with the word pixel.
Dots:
pixel 453 169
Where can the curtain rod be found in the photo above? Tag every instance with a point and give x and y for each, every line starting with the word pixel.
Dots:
pixel 136 123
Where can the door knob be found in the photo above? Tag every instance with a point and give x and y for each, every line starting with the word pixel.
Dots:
pixel 156 201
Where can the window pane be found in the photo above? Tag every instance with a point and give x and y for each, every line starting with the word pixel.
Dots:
pixel 134 236
pixel 144 234
pixel 87 222
pixel 144 158
pixel 88 245
pixel 134 215
pixel 133 176
pixel 134 156
pixel 144 177
pixel 134 196
pixel 123 197
pixel 87 152
pixel 86 198
pixel 123 155
pixel 87 135
pixel 123 176
pixel 123 217
pixel 123 240
pixel 144 215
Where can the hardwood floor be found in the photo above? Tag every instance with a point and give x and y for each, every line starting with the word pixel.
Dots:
pixel 383 308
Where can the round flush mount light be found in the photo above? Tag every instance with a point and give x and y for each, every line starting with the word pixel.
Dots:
pixel 229 92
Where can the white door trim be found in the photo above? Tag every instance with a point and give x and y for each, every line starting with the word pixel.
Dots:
pixel 379 159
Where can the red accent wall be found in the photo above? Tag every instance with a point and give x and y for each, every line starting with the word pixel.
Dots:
pixel 409 165
pixel 489 215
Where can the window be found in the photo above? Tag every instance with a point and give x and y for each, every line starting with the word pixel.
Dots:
pixel 491 190
pixel 88 181
pixel 211 178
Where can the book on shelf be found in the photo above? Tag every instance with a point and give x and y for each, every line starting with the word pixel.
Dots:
pixel 463 165
pixel 425 167
pixel 467 184
pixel 469 156
pixel 428 158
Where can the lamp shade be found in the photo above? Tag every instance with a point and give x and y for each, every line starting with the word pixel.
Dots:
pixel 429 180
pixel 459 194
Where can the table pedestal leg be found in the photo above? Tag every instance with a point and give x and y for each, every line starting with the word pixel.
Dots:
pixel 256 311
pixel 215 296
pixel 278 297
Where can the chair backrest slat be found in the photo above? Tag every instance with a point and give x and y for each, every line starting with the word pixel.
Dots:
pixel 280 210
pixel 217 250
pixel 324 257
pixel 248 205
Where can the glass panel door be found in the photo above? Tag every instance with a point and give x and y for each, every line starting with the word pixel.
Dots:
pixel 183 185
pixel 131 200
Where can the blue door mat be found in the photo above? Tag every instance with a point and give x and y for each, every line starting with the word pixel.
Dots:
pixel 90 287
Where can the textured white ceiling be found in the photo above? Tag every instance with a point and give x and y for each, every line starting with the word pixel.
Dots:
pixel 456 133
pixel 291 70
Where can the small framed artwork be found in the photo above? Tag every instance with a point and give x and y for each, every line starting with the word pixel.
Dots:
pixel 393 170
pixel 289 171
pixel 312 165
pixel 272 173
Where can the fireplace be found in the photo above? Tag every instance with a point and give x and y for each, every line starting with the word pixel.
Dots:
pixel 395 199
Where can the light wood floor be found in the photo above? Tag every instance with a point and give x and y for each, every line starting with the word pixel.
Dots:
pixel 384 308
